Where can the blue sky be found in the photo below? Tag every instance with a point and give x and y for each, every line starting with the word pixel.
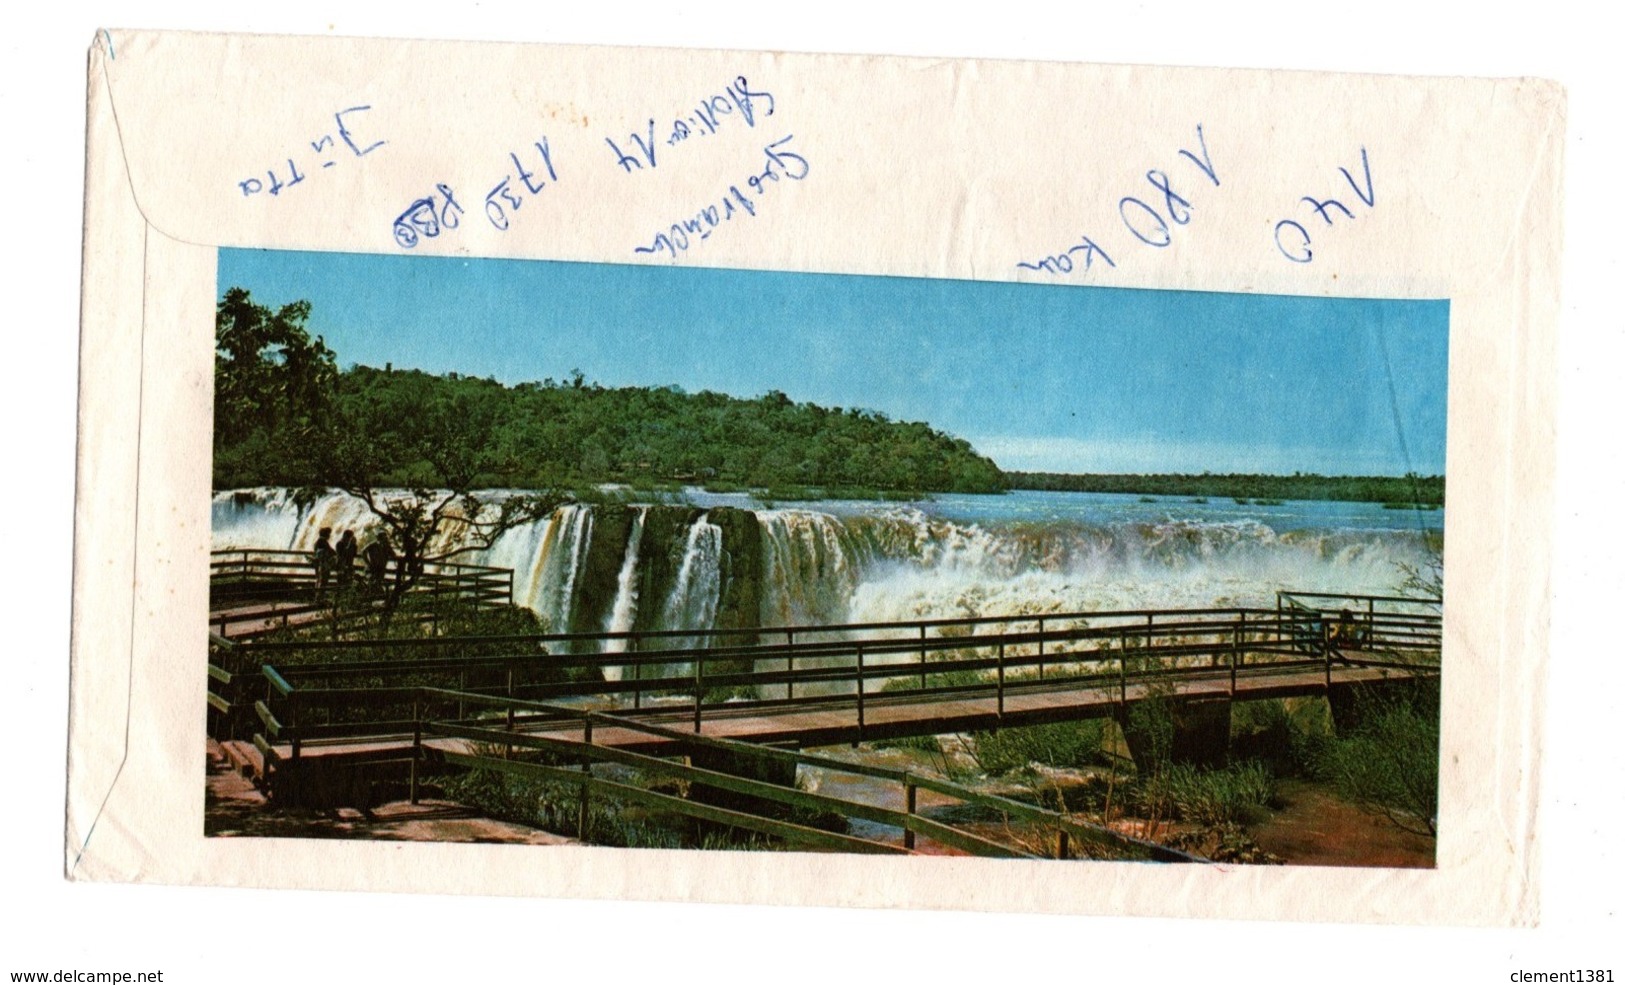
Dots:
pixel 1039 377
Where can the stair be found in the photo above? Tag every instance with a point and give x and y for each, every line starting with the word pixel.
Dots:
pixel 245 758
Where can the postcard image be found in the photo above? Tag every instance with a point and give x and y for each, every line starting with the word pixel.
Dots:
pixel 1056 573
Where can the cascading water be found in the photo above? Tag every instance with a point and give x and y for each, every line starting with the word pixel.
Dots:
pixel 263 519
pixel 623 613
pixel 558 564
pixel 1026 553
pixel 692 603
pixel 811 565
pixel 936 568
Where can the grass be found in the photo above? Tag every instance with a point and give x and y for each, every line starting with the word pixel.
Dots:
pixel 1063 744
pixel 949 678
pixel 554 806
pixel 1241 793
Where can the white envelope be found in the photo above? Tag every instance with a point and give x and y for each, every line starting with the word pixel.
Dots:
pixel 971 170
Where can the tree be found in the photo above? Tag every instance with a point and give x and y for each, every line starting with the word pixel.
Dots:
pixel 443 435
pixel 269 373
pixel 283 411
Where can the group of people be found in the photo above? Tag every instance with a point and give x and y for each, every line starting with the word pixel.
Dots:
pixel 338 563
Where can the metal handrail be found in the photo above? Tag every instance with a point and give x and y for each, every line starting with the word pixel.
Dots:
pixel 1242 647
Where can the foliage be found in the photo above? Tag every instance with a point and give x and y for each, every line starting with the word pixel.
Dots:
pixel 1425 580
pixel 1062 744
pixel 1236 794
pixel 935 679
pixel 285 415
pixel 378 428
pixel 1389 765
pixel 1262 490
pixel 1287 735
pixel 1151 728
pixel 272 381
pixel 555 806
pixel 1226 843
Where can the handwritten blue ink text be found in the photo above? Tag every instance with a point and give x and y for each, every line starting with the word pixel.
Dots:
pixel 423 219
pixel 737 100
pixel 1292 238
pixel 689 232
pixel 324 148
pixel 431 215
pixel 506 197
pixel 1150 217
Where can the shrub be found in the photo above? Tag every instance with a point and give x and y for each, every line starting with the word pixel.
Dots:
pixel 1063 744
pixel 924 743
pixel 1237 794
pixel 1286 734
pixel 1390 764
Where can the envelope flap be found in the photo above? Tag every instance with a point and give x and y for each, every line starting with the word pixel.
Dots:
pixel 328 142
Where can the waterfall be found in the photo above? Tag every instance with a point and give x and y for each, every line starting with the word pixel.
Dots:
pixel 625 610
pixel 811 564
pixel 521 550
pixel 692 603
pixel 884 563
pixel 559 563
pixel 255 518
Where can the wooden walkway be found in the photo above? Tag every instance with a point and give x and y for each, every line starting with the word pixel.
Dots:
pixel 839 724
pixel 298 711
pixel 836 722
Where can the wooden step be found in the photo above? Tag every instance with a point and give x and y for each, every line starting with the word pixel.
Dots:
pixel 244 758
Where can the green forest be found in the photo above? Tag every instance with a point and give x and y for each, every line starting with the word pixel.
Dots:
pixel 1424 490
pixel 285 414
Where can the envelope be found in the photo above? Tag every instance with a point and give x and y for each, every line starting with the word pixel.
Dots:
pixel 1072 178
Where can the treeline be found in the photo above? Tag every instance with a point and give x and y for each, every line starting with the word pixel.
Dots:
pixel 1426 490
pixel 285 415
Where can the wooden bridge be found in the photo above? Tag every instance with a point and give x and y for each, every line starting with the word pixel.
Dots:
pixel 253 592
pixel 739 706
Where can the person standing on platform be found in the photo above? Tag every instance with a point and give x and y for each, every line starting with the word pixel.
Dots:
pixel 323 557
pixel 411 565
pixel 346 559
pixel 378 555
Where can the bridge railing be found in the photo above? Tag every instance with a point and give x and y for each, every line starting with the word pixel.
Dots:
pixel 1357 621
pixel 493 743
pixel 609 644
pixel 286 583
pixel 498 733
pixel 252 571
pixel 1113 653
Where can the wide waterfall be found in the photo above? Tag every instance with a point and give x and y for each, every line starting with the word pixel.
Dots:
pixel 730 562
